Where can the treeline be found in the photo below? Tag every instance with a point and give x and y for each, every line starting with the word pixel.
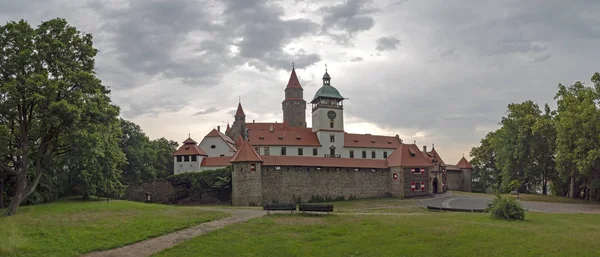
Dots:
pixel 60 133
pixel 536 147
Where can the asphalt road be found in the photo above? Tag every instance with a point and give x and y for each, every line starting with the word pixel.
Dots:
pixel 480 202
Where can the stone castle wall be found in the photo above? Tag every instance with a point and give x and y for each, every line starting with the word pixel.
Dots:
pixel 290 184
pixel 247 184
pixel 408 178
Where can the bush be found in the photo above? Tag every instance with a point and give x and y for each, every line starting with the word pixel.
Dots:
pixel 506 208
pixel 192 184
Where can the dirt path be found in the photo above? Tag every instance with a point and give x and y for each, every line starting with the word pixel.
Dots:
pixel 157 244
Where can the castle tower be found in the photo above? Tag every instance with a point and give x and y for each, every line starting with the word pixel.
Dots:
pixel 328 117
pixel 188 157
pixel 246 176
pixel 239 124
pixel 466 169
pixel 294 106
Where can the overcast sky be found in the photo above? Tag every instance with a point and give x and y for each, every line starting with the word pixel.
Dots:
pixel 437 72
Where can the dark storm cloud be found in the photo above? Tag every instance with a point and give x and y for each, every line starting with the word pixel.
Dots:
pixel 387 43
pixel 344 20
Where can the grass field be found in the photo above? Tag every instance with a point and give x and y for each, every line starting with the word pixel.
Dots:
pixel 535 198
pixel 428 234
pixel 73 227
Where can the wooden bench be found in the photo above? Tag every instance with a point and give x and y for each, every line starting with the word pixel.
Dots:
pixel 316 208
pixel 279 207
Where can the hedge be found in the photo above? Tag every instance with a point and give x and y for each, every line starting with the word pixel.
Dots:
pixel 193 184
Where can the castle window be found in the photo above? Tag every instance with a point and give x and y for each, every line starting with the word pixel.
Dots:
pixel 213 146
pixel 364 154
pixel 330 124
pixel 280 138
pixel 384 155
pixel 300 152
pixel 351 153
pixel 283 150
pixel 315 152
pixel 373 154
pixel 178 158
pixel 257 149
pixel 261 138
pixel 194 158
pixel 186 158
pixel 222 155
pixel 331 138
pixel 266 152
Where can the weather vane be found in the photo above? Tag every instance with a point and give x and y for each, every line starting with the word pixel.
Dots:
pixel 326 67
pixel 293 65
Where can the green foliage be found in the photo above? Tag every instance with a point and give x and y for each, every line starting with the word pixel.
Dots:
pixel 49 93
pixel 506 208
pixel 193 184
pixel 146 159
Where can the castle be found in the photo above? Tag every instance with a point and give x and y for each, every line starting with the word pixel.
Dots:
pixel 290 162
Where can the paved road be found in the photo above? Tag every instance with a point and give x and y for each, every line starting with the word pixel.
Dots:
pixel 480 202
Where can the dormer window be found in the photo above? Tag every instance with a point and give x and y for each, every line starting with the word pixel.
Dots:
pixel 355 140
pixel 390 142
pixel 298 138
pixel 261 138
pixel 280 138
pixel 372 141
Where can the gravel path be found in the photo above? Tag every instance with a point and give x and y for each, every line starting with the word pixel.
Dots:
pixel 157 244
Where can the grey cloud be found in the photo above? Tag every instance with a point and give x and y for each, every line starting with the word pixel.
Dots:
pixel 207 111
pixel 387 43
pixel 344 20
pixel 356 59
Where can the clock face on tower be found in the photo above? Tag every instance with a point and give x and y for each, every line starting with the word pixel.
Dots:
pixel 331 114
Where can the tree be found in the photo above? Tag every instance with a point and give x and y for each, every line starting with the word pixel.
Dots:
pixel 139 153
pixel 516 144
pixel 485 169
pixel 47 82
pixel 544 132
pixel 163 164
pixel 578 136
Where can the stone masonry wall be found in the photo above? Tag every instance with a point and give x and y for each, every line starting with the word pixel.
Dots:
pixel 455 180
pixel 290 183
pixel 417 178
pixel 160 190
pixel 247 184
pixel 466 175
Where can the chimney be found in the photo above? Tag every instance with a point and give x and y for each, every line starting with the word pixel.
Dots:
pixel 424 148
pixel 252 121
pixel 219 128
pixel 271 129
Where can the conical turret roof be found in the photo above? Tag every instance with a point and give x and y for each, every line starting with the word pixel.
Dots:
pixel 246 153
pixel 293 82
pixel 464 164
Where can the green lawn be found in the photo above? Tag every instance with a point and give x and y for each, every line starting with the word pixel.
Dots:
pixel 378 205
pixel 72 227
pixel 534 198
pixel 429 234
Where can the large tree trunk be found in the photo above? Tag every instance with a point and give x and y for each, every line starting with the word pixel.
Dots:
pixel 544 187
pixel 572 188
pixel 20 192
pixel 1 193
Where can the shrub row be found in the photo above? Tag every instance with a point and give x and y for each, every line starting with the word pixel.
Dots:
pixel 192 184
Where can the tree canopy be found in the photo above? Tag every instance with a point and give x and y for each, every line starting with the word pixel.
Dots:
pixel 536 147
pixel 60 130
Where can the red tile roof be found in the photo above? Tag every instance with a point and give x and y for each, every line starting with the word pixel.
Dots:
pixel 293 82
pixel 371 141
pixel 216 161
pixel 260 134
pixel 240 110
pixel 189 147
pixel 408 155
pixel 228 140
pixel 464 164
pixel 323 162
pixel 246 153
pixel 433 153
pixel 239 142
